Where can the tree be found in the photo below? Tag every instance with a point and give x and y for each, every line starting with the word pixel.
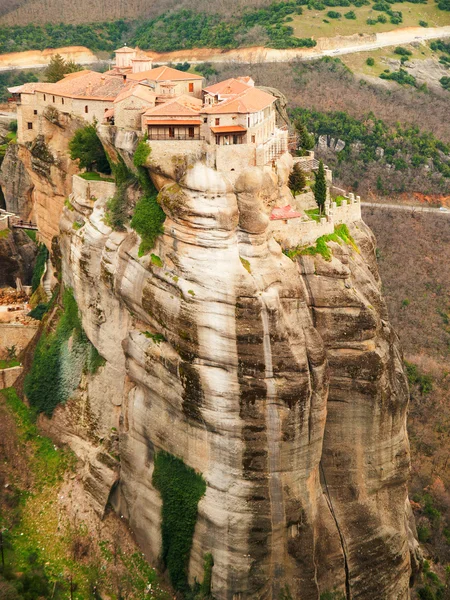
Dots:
pixel 320 188
pixel 305 140
pixel 297 180
pixel 58 67
pixel 87 148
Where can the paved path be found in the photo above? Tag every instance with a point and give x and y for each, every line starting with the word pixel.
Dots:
pixel 408 207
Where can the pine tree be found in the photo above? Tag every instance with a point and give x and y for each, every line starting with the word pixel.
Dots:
pixel 297 180
pixel 58 67
pixel 305 140
pixel 320 188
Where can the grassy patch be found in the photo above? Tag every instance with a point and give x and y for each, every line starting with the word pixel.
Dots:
pixel 341 235
pixel 32 234
pixel 156 260
pixel 155 337
pixel 4 233
pixel 39 267
pixel 7 364
pixel 245 264
pixel 93 176
pixel 313 213
pixel 181 489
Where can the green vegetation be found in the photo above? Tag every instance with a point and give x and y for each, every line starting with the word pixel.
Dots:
pixel 245 264
pixel 333 14
pixel 423 23
pixel 181 489
pixel 297 180
pixel 32 234
pixel 187 29
pixel 402 51
pixel 8 364
pixel 93 176
pixel 206 69
pixel 57 365
pixel 422 382
pixel 13 78
pixel 320 188
pixel 58 67
pixel 86 147
pixel 148 217
pixel 401 76
pixel 4 233
pixel 405 146
pixel 116 208
pixel 155 259
pixel 38 311
pixel 341 234
pixel 39 267
pixel 155 337
pixel 98 36
pixel 445 83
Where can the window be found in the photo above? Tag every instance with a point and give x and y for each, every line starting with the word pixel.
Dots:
pixel 62 100
pixel 30 125
pixel 191 132
pixel 218 140
pixel 191 87
pixel 45 97
pixel 253 139
pixel 235 139
pixel 86 109
pixel 171 132
pixel 205 120
pixel 53 98
pixel 35 112
pixel 217 122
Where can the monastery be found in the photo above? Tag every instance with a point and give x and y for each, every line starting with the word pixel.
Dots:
pixel 164 103
pixel 231 125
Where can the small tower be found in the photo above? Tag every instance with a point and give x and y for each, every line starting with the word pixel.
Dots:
pixel 141 62
pixel 124 57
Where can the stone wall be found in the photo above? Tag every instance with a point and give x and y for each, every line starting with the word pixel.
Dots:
pixel 86 192
pixel 8 377
pixel 235 158
pixel 15 335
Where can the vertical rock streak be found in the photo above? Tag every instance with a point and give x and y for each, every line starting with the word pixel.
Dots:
pixel 273 427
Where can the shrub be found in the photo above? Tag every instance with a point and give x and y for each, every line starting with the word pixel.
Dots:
pixel 423 382
pixel 382 19
pixel 13 126
pixel 445 83
pixel 86 147
pixel 57 368
pixel 370 62
pixel 423 23
pixel 38 312
pixel 297 180
pixel 181 489
pixel 332 14
pixel 423 533
pixel 148 217
pixel 350 15
pixel 402 51
pixel 39 267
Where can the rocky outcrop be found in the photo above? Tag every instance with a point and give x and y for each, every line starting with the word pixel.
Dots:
pixel 280 380
pixel 37 178
pixel 17 257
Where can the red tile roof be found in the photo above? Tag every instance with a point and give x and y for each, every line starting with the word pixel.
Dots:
pixel 228 87
pixel 87 84
pixel 183 106
pixel 250 100
pixel 229 129
pixel 163 74
pixel 139 91
pixel 172 122
pixel 284 212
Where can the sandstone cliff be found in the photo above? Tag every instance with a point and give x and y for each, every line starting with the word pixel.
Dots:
pixel 280 381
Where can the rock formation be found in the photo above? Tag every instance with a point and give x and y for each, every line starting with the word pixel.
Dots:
pixel 17 256
pixel 280 381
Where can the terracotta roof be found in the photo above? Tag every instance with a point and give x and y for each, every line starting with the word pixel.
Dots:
pixel 249 101
pixel 229 129
pixel 92 85
pixel 163 74
pixel 124 49
pixel 172 122
pixel 284 212
pixel 139 91
pixel 26 88
pixel 229 87
pixel 181 106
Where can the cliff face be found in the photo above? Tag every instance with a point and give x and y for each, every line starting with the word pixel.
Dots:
pixel 280 380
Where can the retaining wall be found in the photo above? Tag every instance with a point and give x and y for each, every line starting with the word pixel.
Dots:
pixel 8 377
pixel 15 335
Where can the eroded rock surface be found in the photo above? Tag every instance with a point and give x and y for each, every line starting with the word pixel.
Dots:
pixel 280 381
